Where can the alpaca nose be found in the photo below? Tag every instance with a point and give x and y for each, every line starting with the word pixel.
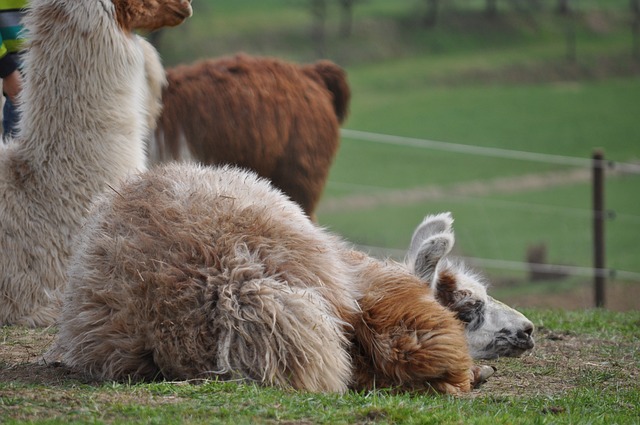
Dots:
pixel 526 335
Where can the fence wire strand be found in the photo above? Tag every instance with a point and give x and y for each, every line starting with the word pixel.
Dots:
pixel 485 151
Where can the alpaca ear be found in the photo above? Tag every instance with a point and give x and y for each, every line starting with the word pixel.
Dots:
pixel 431 225
pixel 429 254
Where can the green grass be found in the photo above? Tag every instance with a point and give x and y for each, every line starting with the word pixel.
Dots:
pixel 247 404
pixel 596 323
pixel 594 383
pixel 561 119
pixel 552 119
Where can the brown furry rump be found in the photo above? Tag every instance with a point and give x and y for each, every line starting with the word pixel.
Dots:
pixel 277 118
pixel 334 79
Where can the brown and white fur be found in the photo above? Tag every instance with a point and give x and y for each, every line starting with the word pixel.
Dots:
pixel 188 272
pixel 493 329
pixel 82 129
pixel 278 118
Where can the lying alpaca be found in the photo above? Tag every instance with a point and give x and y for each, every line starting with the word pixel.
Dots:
pixel 493 329
pixel 193 272
pixel 82 129
pixel 279 119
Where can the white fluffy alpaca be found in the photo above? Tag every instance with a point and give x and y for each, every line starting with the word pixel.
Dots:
pixel 83 123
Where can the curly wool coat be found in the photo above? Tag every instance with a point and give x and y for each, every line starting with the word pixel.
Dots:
pixel 190 272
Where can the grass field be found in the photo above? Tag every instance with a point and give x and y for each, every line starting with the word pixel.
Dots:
pixel 497 223
pixel 584 370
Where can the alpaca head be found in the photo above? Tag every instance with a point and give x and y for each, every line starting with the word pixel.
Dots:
pixel 493 329
pixel 151 14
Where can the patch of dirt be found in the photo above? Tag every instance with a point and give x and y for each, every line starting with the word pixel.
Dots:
pixel 21 345
pixel 618 297
pixel 561 362
pixel 21 358
pixel 41 374
pixel 476 188
pixel 601 68
pixel 598 22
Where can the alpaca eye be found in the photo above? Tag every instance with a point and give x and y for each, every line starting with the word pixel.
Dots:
pixel 470 311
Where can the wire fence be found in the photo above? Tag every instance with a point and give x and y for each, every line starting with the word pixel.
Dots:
pixel 466 193
pixel 485 151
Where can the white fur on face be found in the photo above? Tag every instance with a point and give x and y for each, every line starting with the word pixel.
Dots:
pixel 493 329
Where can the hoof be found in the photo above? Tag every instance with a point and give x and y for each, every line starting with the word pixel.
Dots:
pixel 481 374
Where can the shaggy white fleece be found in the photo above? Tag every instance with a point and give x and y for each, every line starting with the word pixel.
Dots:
pixel 83 122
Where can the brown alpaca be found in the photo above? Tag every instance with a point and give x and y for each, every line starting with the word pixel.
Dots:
pixel 189 272
pixel 277 118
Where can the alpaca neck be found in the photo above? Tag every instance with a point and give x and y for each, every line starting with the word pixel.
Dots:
pixel 82 99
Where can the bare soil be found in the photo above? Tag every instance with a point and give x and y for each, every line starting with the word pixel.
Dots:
pixel 619 296
pixel 499 185
pixel 562 362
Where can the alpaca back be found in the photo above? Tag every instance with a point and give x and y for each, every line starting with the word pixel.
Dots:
pixel 190 272
pixel 274 117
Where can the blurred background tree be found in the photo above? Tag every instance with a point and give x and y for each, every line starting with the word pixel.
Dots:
pixel 635 28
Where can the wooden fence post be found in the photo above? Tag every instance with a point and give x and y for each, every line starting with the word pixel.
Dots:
pixel 598 227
